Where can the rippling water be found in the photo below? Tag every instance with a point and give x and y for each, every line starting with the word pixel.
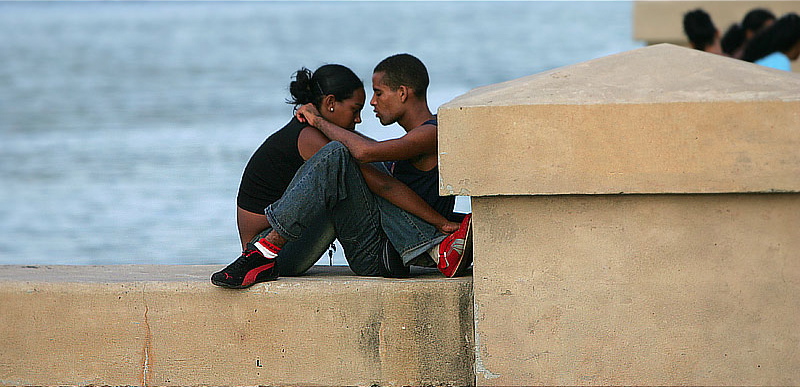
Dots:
pixel 124 127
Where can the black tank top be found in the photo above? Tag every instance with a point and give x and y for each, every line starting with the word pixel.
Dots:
pixel 424 183
pixel 271 169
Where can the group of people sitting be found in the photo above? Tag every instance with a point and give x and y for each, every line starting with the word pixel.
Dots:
pixel 759 38
pixel 317 179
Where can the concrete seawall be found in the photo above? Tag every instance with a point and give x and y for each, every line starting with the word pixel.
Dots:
pixel 636 222
pixel 637 218
pixel 167 325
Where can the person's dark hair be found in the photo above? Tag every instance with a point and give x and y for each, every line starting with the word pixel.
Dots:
pixel 334 79
pixel 404 70
pixel 756 18
pixel 779 37
pixel 733 39
pixel 699 28
pixel 736 35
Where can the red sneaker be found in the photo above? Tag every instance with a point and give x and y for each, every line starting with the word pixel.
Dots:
pixel 455 251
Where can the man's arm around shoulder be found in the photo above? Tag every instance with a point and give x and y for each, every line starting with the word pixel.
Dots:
pixel 418 141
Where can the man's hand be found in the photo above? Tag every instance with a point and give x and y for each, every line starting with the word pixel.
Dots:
pixel 309 114
pixel 448 227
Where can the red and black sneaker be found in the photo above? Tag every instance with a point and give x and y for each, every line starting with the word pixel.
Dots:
pixel 250 268
pixel 455 251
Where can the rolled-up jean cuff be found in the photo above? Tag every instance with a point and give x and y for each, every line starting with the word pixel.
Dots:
pixel 277 226
pixel 414 251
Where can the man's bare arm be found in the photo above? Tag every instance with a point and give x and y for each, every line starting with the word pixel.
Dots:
pixel 402 196
pixel 419 141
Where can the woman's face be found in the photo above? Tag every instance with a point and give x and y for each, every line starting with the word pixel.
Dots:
pixel 347 113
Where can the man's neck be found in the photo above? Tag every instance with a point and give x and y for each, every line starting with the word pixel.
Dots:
pixel 415 117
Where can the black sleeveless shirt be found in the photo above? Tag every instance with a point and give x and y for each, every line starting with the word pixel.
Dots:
pixel 275 162
pixel 424 183
pixel 271 169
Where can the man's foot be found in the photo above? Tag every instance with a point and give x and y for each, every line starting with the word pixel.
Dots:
pixel 251 267
pixel 455 251
pixel 393 266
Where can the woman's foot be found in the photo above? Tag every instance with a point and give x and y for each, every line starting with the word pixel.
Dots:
pixel 250 268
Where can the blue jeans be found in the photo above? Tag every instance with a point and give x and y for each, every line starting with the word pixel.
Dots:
pixel 297 256
pixel 330 184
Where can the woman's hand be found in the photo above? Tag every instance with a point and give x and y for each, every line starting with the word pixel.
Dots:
pixel 308 113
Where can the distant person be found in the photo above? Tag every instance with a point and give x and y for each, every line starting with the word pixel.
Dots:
pixel 701 32
pixel 738 34
pixel 776 46
pixel 386 216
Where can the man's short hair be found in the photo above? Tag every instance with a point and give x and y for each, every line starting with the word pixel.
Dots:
pixel 699 28
pixel 404 70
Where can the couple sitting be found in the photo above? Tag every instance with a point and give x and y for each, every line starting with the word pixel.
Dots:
pixel 316 179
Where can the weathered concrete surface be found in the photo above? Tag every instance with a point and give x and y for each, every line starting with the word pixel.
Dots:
pixel 693 280
pixel 638 289
pixel 167 325
pixel 660 119
pixel 657 22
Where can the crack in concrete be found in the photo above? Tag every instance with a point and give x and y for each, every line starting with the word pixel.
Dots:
pixel 148 339
pixel 480 368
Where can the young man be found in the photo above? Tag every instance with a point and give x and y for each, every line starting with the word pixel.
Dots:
pixel 368 201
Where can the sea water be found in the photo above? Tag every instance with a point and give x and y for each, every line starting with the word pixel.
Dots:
pixel 125 126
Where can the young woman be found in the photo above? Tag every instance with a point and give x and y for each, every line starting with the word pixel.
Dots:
pixel 339 94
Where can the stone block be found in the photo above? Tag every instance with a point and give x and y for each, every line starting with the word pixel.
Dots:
pixel 167 325
pixel 637 290
pixel 660 119
pixel 637 221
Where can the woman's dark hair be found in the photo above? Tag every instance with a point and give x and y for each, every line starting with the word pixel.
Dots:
pixel 779 37
pixel 330 79
pixel 736 35
pixel 699 29
pixel 733 39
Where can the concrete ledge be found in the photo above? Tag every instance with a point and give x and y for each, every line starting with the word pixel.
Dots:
pixel 659 119
pixel 692 280
pixel 167 325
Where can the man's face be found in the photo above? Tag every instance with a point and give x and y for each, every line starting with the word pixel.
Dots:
pixel 385 101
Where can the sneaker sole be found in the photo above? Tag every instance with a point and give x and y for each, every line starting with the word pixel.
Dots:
pixel 465 259
pixel 229 286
